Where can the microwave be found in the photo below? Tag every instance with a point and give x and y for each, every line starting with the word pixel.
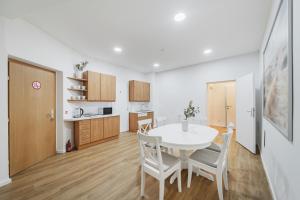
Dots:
pixel 107 111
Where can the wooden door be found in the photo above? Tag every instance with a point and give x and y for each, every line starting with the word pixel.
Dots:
pixel 230 102
pixel 108 87
pixel 216 104
pixel 93 85
pixel 111 126
pixel 32 124
pixel 97 130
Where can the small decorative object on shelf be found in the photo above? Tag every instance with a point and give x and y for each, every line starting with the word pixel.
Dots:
pixel 79 69
pixel 189 112
pixel 69 146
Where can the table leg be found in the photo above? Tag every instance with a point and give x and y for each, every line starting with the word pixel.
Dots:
pixel 183 156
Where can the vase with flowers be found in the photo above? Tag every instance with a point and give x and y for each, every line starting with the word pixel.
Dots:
pixel 189 112
pixel 79 69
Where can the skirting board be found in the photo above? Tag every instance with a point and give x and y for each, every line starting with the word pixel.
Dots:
pixel 268 178
pixel 59 151
pixel 5 182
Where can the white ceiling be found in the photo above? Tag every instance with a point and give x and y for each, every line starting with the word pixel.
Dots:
pixel 145 29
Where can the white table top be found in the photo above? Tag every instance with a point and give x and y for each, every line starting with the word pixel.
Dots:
pixel 198 136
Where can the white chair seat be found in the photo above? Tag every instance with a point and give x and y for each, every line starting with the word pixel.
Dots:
pixel 206 156
pixel 167 159
pixel 156 163
pixel 213 162
pixel 215 147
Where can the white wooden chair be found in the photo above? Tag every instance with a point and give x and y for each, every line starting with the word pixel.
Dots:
pixel 160 121
pixel 145 125
pixel 212 162
pixel 157 164
pixel 217 147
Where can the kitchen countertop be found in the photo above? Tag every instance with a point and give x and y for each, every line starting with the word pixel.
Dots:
pixel 142 111
pixel 71 119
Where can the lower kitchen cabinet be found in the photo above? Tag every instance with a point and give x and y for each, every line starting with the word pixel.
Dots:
pixel 111 126
pixel 134 117
pixel 83 130
pixel 96 131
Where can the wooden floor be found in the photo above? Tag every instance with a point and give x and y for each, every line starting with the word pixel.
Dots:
pixel 111 171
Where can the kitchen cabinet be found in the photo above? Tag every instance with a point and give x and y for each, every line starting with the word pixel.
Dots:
pixel 108 87
pixel 111 126
pixel 100 87
pixel 91 132
pixel 96 129
pixel 83 130
pixel 134 117
pixel 92 85
pixel 139 91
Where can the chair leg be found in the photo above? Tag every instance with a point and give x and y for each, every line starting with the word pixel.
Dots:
pixel 179 179
pixel 190 171
pixel 142 182
pixel 225 177
pixel 219 184
pixel 161 189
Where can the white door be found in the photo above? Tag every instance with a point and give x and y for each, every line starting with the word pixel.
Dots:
pixel 245 112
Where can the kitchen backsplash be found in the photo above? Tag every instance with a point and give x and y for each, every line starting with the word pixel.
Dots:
pixel 93 107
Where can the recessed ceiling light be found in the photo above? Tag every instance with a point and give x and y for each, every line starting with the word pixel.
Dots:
pixel 118 49
pixel 179 17
pixel 156 65
pixel 207 51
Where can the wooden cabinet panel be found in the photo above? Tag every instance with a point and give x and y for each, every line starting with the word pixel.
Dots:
pixel 82 132
pixel 96 130
pixel 139 91
pixel 146 92
pixel 111 126
pixel 93 85
pixel 108 87
pixel 134 118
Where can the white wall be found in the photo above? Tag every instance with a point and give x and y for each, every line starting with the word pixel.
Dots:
pixel 177 87
pixel 281 157
pixel 24 41
pixel 4 179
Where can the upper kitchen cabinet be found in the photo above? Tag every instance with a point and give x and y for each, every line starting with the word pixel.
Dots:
pixel 93 85
pixel 108 87
pixel 100 87
pixel 139 91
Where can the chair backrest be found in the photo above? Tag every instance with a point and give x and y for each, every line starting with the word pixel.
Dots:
pixel 230 126
pixel 144 125
pixel 150 151
pixel 160 121
pixel 225 147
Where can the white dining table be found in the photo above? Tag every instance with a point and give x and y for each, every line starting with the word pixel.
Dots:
pixel 197 137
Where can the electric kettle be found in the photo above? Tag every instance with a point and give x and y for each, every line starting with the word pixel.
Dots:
pixel 78 112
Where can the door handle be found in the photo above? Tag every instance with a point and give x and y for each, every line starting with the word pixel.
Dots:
pixel 51 115
pixel 252 112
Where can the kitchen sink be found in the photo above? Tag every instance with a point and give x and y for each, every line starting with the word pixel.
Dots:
pixel 90 115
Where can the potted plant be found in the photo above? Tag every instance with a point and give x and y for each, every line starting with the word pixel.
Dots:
pixel 189 112
pixel 79 69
